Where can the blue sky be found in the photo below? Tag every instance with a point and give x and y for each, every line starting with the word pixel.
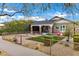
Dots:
pixel 57 9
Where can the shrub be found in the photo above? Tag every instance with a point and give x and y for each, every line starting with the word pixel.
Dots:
pixel 2 31
pixel 76 46
pixel 76 38
pixel 54 41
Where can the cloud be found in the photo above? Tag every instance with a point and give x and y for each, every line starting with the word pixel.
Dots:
pixel 51 15
pixel 7 10
pixel 35 18
pixel 19 17
pixel 65 14
pixel 60 15
pixel 76 14
pixel 2 17
pixel 5 19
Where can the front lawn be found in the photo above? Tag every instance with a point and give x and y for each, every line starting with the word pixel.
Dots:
pixel 51 38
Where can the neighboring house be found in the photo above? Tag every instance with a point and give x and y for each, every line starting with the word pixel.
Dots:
pixel 2 26
pixel 56 25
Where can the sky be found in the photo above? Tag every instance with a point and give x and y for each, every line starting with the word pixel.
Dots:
pixel 57 9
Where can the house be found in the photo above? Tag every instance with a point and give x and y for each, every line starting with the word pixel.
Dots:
pixel 56 25
pixel 2 26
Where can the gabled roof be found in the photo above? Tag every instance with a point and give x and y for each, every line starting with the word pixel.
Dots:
pixel 56 18
pixel 52 20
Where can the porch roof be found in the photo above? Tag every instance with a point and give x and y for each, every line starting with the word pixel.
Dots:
pixel 41 22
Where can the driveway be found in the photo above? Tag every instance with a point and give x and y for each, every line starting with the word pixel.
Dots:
pixel 17 50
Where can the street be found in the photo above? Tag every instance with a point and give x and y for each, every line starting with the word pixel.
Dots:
pixel 17 50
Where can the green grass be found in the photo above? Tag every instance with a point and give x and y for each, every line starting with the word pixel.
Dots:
pixel 53 38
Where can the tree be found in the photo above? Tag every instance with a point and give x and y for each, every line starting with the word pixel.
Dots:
pixel 5 6
pixel 17 26
pixel 25 10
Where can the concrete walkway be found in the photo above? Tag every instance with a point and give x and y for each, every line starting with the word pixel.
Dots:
pixel 60 48
pixel 17 50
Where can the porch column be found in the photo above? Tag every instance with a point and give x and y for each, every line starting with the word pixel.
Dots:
pixel 50 29
pixel 31 29
pixel 40 29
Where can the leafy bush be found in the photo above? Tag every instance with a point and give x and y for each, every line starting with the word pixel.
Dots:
pixel 76 38
pixel 54 41
pixel 17 26
pixel 2 31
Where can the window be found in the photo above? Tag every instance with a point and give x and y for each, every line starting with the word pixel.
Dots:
pixel 62 28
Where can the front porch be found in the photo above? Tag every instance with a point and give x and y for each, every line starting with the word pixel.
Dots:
pixel 57 29
pixel 39 29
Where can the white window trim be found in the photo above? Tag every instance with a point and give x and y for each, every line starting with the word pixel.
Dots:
pixel 61 28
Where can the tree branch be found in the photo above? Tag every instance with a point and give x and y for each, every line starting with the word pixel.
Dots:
pixel 12 14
